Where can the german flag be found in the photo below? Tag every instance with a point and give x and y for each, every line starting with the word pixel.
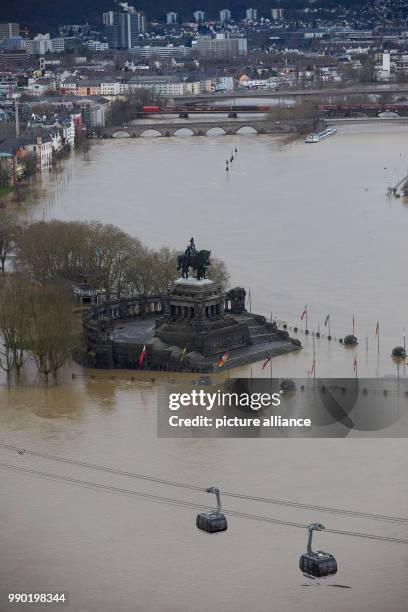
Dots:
pixel 222 360
pixel 142 356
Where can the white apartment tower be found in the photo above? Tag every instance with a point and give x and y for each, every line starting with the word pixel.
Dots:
pixel 252 14
pixel 225 15
pixel 171 18
pixel 199 16
pixel 277 13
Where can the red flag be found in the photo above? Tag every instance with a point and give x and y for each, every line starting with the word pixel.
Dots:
pixel 304 313
pixel 312 369
pixel 142 356
pixel 377 329
pixel 355 363
pixel 265 363
pixel 222 360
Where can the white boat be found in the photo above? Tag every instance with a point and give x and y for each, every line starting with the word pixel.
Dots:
pixel 318 136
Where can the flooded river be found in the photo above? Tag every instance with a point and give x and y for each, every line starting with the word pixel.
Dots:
pixel 296 224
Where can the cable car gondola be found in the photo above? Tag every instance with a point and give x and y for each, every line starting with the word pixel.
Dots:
pixel 317 564
pixel 214 521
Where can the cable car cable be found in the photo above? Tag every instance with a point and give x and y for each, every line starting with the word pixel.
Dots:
pixel 280 502
pixel 178 502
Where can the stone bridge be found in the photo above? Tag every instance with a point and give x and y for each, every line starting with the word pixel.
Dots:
pixel 204 128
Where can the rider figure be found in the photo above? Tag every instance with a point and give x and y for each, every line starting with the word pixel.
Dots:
pixel 191 249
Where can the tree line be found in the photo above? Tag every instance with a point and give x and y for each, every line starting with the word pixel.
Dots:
pixel 37 312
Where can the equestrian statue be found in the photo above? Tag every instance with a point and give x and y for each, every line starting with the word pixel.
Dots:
pixel 199 261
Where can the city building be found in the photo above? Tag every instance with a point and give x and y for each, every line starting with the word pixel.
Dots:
pixel 162 52
pixel 107 18
pixel 97 45
pixel 43 43
pixel 171 18
pixel 8 86
pixel 251 14
pixel 112 87
pixel 9 30
pixel 277 13
pixel 199 16
pixel 41 86
pixel 14 43
pixel 88 88
pixel 160 85
pixel 123 28
pixel 171 85
pixel 225 15
pixel 93 113
pixel 221 46
pixel 224 83
pixel 38 141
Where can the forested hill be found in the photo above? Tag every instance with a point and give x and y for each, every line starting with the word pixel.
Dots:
pixel 45 15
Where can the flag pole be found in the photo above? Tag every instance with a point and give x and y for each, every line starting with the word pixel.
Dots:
pixel 327 322
pixel 398 377
pixel 314 360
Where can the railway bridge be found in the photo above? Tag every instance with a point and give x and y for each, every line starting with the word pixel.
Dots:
pixel 203 128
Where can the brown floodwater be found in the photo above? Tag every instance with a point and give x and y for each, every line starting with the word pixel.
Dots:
pixel 296 224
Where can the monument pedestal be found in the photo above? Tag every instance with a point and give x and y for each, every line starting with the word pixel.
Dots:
pixel 194 318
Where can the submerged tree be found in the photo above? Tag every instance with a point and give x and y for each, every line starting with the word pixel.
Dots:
pixel 53 249
pixel 53 329
pixel 14 323
pixel 9 229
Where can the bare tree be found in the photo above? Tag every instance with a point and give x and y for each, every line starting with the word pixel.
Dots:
pixel 14 323
pixel 53 249
pixel 9 230
pixel 53 329
pixel 109 254
pixel 125 110
pixel 30 165
pixel 4 173
pixel 155 271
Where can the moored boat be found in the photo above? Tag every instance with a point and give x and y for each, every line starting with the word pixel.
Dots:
pixel 318 136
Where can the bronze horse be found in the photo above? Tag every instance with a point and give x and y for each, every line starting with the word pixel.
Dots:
pixel 199 262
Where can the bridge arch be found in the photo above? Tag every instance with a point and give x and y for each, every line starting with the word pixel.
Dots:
pixel 121 134
pixel 246 129
pixel 183 131
pixel 216 130
pixel 151 133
